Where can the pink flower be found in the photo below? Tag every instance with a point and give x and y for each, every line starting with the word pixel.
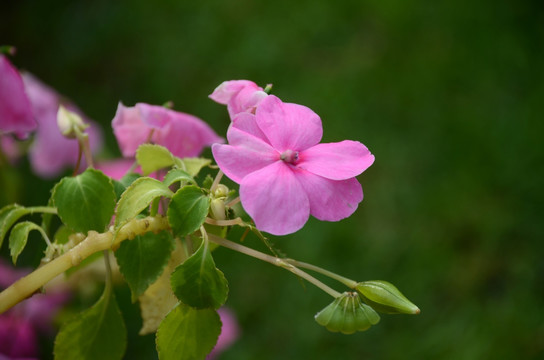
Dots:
pixel 15 111
pixel 229 332
pixel 116 168
pixel 20 326
pixel 183 134
pixel 51 152
pixel 284 173
pixel 239 96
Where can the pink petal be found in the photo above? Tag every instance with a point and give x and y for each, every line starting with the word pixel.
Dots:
pixel 246 100
pixel 115 169
pixel 275 200
pixel 15 109
pixel 247 123
pixel 228 89
pixel 129 129
pixel 239 161
pixel 184 135
pixel 331 200
pixel 336 161
pixel 229 332
pixel 288 126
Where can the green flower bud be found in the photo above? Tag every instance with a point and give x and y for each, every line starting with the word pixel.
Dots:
pixel 68 122
pixel 385 297
pixel 221 191
pixel 217 209
pixel 347 314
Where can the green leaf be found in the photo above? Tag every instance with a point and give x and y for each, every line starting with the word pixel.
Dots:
pixel 137 197
pixel 9 214
pixel 97 333
pixel 177 175
pixel 192 165
pixel 198 283
pixel 19 237
pixel 85 202
pixel 347 314
pixel 142 260
pixel 187 333
pixel 187 210
pixel 153 157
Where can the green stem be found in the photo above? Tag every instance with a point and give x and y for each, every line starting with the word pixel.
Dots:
pixel 84 145
pixel 274 261
pixel 109 277
pixel 348 282
pixel 93 243
pixel 42 209
pixel 154 207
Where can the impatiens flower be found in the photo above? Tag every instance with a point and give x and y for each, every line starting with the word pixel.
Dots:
pixel 51 152
pixel 183 134
pixel 239 96
pixel 229 332
pixel 284 173
pixel 15 111
pixel 20 326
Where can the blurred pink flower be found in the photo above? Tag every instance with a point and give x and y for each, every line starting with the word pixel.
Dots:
pixel 183 134
pixel 284 173
pixel 8 147
pixel 51 152
pixel 20 326
pixel 15 111
pixel 239 96
pixel 229 332
pixel 116 168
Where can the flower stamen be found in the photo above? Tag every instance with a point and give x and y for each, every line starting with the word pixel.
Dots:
pixel 289 156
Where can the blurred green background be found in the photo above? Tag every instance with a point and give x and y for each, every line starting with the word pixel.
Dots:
pixel 449 97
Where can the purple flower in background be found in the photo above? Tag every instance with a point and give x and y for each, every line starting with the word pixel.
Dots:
pixel 51 152
pixel 20 326
pixel 229 332
pixel 284 173
pixel 239 96
pixel 15 111
pixel 183 134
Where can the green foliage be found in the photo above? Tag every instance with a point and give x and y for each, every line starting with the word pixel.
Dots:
pixel 137 197
pixel 192 165
pixel 142 260
pixel 19 237
pixel 153 157
pixel 97 333
pixel 9 214
pixel 85 202
pixel 187 333
pixel 198 283
pixel 175 175
pixel 188 210
pixel 347 314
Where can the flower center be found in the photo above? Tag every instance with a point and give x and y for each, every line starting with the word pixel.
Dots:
pixel 289 156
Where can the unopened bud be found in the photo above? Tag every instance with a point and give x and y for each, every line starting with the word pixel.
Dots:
pixel 347 314
pixel 68 122
pixel 385 297
pixel 221 191
pixel 217 209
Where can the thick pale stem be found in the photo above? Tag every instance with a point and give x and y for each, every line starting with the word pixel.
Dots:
pixel 216 181
pixel 273 260
pixel 232 222
pixel 93 243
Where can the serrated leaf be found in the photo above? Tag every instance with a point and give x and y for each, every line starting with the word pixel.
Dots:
pixel 97 333
pixel 192 165
pixel 198 283
pixel 19 237
pixel 187 333
pixel 187 210
pixel 142 260
pixel 85 202
pixel 157 301
pixel 175 175
pixel 137 197
pixel 9 214
pixel 153 157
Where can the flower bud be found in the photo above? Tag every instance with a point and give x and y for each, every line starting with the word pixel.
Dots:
pixel 217 209
pixel 221 191
pixel 68 122
pixel 347 314
pixel 385 297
